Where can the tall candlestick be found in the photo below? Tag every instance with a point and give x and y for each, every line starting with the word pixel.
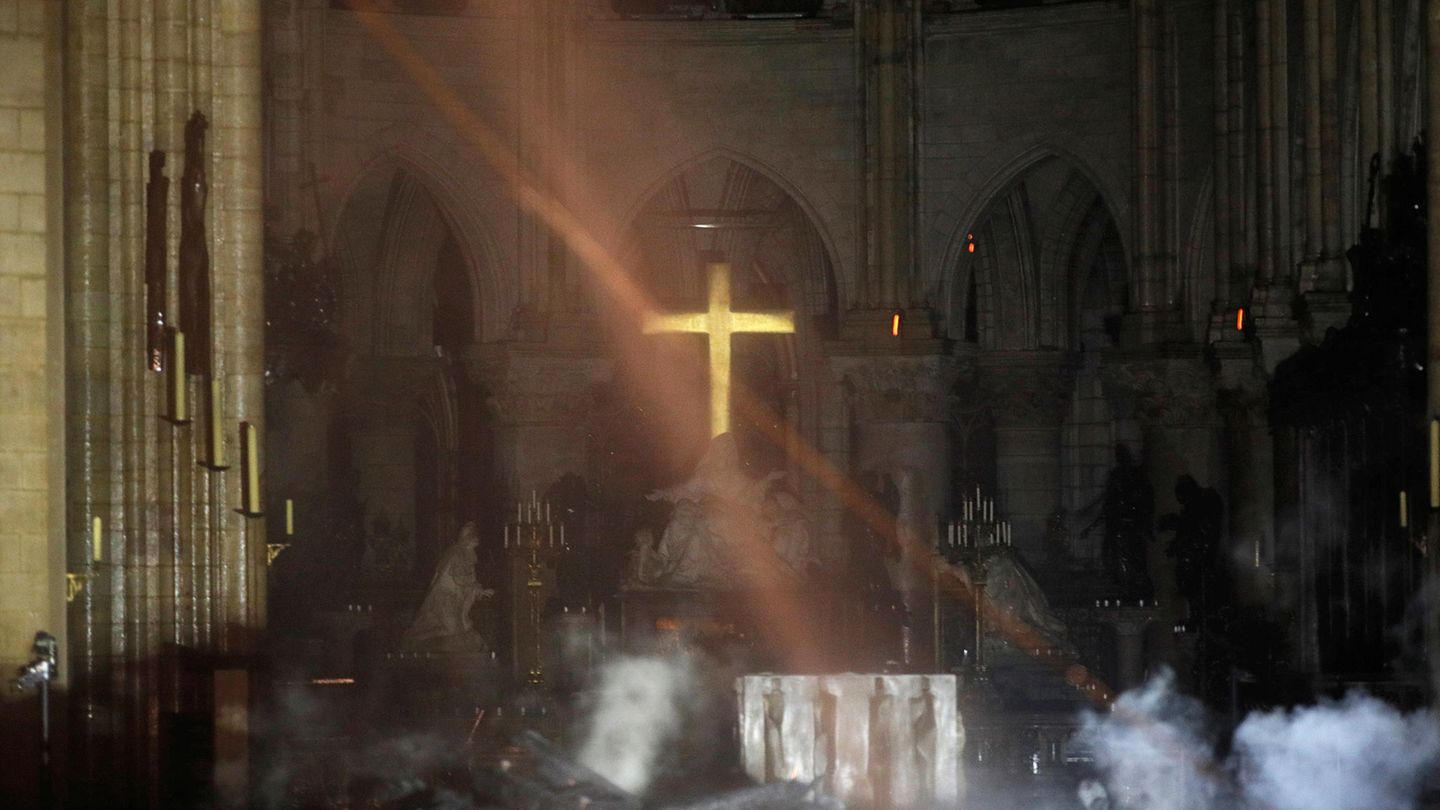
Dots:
pixel 1435 463
pixel 250 441
pixel 1404 511
pixel 562 535
pixel 179 408
pixel 97 538
pixel 289 517
pixel 507 536
pixel 217 425
pixel 518 519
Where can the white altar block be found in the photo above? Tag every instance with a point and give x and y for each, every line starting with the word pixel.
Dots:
pixel 877 741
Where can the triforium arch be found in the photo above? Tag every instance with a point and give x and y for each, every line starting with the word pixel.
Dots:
pixel 1025 265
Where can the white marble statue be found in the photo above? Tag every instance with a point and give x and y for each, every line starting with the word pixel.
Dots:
pixel 728 530
pixel 1010 587
pixel 443 622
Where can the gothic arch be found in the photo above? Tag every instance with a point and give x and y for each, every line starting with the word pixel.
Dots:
pixel 820 292
pixel 1000 169
pixel 471 216
pixel 1044 291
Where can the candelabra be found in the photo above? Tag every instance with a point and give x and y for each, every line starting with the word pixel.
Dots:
pixel 971 542
pixel 532 547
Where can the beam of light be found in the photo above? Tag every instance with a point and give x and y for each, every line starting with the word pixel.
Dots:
pixel 787 618
pixel 789 623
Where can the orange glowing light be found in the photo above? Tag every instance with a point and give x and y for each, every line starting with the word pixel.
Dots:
pixel 895 325
pixel 1240 319
pixel 969 243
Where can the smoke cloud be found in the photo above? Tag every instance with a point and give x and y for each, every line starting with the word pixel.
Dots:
pixel 1154 753
pixel 1359 752
pixel 638 709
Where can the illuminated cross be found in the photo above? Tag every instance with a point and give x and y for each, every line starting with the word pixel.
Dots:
pixel 719 322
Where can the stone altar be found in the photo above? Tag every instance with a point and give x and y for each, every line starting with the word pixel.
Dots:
pixel 878 741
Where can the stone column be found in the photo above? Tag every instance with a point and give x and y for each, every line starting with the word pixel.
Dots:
pixel 180 567
pixel 542 400
pixel 888 43
pixel 1029 395
pixel 1432 377
pixel 1248 455
pixel 546 33
pixel 900 405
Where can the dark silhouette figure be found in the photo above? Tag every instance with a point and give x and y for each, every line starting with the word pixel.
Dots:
pixel 1128 512
pixel 194 250
pixel 1202 573
pixel 1202 569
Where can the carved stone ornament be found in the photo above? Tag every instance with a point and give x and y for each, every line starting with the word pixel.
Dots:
pixel 537 389
pixel 1169 391
pixel 1028 388
pixel 899 388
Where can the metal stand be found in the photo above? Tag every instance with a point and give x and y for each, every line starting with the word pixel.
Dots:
pixel 38 674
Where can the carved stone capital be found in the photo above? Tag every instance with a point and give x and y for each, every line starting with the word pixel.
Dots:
pixel 535 386
pixel 1027 387
pixel 899 388
pixel 1163 390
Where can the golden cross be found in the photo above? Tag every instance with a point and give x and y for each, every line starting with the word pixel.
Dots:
pixel 719 322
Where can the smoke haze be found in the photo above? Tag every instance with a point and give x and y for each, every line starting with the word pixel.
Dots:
pixel 638 709
pixel 1359 753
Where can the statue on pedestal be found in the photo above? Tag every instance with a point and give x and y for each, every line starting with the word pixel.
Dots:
pixel 443 622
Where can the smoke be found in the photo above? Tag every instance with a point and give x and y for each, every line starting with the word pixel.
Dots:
pixel 1359 752
pixel 1154 753
pixel 1152 750
pixel 638 709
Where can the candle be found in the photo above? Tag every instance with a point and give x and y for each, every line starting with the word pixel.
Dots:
pixel 507 536
pixel 251 444
pixel 517 513
pixel 217 425
pixel 289 517
pixel 547 511
pixel 179 410
pixel 552 530
pixel 1404 511
pixel 97 538
pixel 1435 463
pixel 562 535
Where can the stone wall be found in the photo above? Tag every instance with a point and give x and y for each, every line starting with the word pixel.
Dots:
pixel 32 581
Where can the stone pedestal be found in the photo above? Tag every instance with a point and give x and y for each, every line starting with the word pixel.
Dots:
pixel 876 741
pixel 1129 623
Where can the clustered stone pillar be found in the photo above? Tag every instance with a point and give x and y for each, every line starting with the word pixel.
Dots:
pixel 1028 393
pixel 888 43
pixel 901 407
pixel 1432 376
pixel 180 568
